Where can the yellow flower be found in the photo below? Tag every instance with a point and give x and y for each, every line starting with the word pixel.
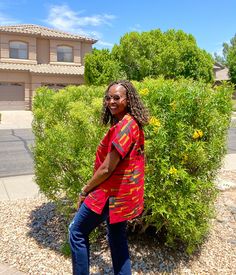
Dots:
pixel 144 92
pixel 197 134
pixel 155 122
pixel 172 170
pixel 200 133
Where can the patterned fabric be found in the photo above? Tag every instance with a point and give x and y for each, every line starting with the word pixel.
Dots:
pixel 125 187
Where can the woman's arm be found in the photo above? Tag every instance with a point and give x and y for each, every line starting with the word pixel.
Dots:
pixel 104 171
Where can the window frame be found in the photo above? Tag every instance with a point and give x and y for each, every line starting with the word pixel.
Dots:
pixel 19 51
pixel 64 53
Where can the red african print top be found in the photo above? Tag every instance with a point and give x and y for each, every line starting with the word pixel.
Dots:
pixel 125 187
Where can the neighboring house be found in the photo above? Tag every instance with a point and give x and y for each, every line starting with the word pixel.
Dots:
pixel 32 56
pixel 221 73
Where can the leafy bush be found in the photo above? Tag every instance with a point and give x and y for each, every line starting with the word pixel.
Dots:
pixel 185 143
pixel 101 68
pixel 172 54
pixel 66 136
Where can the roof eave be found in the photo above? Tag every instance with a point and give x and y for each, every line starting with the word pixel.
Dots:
pixel 87 40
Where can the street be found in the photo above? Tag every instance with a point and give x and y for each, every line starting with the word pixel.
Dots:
pixel 16 157
pixel 231 144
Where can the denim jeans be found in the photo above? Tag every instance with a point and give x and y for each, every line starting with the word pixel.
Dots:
pixel 83 223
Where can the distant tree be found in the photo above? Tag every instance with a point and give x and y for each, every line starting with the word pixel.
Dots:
pixel 219 58
pixel 100 68
pixel 229 51
pixel 171 54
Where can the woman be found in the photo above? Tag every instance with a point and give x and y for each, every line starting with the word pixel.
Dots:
pixel 115 192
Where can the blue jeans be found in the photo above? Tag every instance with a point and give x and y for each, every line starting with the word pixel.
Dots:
pixel 83 223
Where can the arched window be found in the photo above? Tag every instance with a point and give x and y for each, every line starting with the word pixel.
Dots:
pixel 65 54
pixel 18 50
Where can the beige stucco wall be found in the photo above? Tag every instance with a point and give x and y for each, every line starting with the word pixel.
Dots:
pixel 43 54
pixel 19 77
pixel 86 48
pixel 5 40
pixel 43 50
pixel 32 81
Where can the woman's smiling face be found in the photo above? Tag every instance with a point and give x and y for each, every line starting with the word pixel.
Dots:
pixel 116 100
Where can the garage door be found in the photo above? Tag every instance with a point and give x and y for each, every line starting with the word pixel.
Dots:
pixel 12 96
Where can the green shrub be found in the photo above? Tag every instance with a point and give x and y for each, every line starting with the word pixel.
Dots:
pixel 185 143
pixel 66 134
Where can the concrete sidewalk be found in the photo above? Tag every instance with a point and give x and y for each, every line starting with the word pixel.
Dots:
pixel 16 119
pixel 19 187
pixel 229 165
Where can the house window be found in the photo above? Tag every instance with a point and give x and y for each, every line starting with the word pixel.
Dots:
pixel 64 54
pixel 18 50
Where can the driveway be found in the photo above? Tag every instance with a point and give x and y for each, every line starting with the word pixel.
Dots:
pixel 16 139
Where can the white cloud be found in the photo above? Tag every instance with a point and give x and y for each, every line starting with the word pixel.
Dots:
pixel 136 28
pixel 62 17
pixel 104 44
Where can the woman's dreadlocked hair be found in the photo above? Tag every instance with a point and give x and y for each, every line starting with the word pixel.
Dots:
pixel 135 105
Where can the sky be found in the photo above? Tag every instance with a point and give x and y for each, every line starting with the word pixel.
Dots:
pixel 211 22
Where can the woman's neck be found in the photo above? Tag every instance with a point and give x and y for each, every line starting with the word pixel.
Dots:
pixel 117 119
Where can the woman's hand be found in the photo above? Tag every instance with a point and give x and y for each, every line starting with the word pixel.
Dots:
pixel 81 198
pixel 103 172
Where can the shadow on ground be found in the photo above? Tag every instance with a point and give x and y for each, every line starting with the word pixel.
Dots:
pixel 148 254
pixel 50 230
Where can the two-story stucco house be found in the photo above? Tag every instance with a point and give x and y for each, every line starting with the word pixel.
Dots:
pixel 32 56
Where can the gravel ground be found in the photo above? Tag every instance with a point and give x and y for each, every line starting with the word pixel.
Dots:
pixel 31 234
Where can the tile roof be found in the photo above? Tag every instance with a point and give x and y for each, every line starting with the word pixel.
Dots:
pixel 41 31
pixel 44 68
pixel 218 65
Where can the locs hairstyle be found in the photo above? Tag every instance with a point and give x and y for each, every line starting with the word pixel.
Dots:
pixel 135 105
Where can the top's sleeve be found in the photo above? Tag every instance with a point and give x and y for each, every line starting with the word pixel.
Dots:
pixel 125 136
